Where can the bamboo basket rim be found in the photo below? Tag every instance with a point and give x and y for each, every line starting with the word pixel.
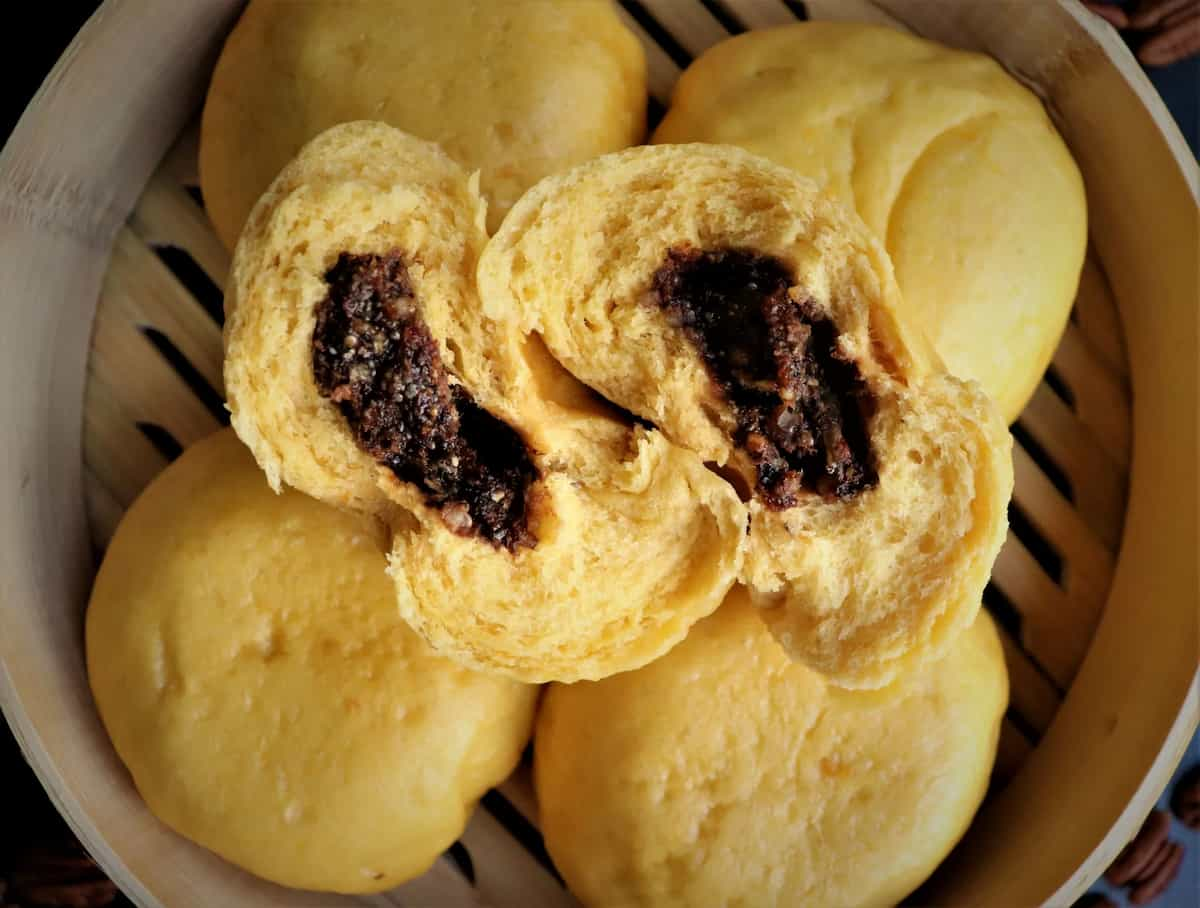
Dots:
pixel 57 201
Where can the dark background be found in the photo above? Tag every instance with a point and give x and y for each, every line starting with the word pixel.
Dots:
pixel 38 34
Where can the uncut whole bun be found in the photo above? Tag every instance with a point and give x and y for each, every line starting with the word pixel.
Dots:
pixel 248 662
pixel 724 774
pixel 724 300
pixel 361 369
pixel 515 89
pixel 952 162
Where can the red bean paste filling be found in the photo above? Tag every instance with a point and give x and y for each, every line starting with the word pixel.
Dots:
pixel 374 357
pixel 801 406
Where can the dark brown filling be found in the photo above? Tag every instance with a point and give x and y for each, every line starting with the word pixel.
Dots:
pixel 801 406
pixel 374 357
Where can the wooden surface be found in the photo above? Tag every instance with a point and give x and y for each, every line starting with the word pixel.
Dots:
pixel 153 387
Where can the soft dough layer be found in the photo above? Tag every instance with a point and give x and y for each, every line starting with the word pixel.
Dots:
pixel 857 578
pixel 363 189
pixel 951 161
pixel 526 598
pixel 516 89
pixel 725 774
pixel 248 662
pixel 631 551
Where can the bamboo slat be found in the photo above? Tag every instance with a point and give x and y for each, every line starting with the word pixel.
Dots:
pixel 153 381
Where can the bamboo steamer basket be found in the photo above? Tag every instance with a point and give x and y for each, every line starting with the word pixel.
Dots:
pixel 110 351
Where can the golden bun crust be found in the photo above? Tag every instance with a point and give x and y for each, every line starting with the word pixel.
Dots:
pixel 503 88
pixel 248 662
pixel 947 158
pixel 858 587
pixel 725 774
pixel 606 494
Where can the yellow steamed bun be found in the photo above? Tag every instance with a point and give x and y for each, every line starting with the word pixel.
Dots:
pixel 726 301
pixel 503 568
pixel 516 89
pixel 952 162
pixel 725 774
pixel 249 664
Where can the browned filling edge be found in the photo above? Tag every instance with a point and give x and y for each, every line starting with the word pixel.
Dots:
pixel 801 406
pixel 373 356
